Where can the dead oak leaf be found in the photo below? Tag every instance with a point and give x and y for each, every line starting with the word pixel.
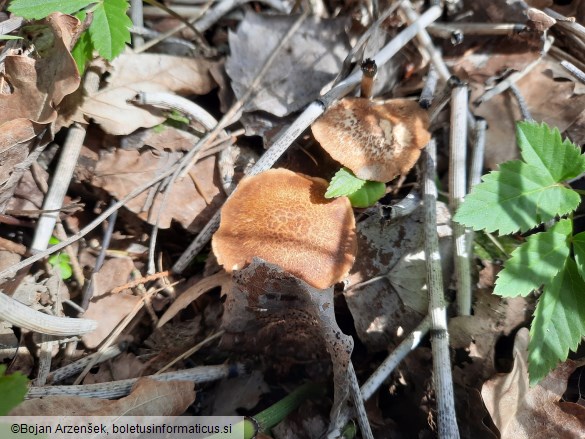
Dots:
pixel 522 412
pixel 133 73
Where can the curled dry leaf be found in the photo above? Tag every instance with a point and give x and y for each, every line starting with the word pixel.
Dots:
pixel 148 398
pixel 522 412
pixel 308 61
pixel 377 141
pixel 33 87
pixel 133 73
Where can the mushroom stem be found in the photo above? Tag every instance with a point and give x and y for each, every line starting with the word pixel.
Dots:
pixel 369 70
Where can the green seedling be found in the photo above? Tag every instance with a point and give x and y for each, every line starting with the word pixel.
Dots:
pixel 361 193
pixel 13 388
pixel 524 194
pixel 60 262
pixel 108 33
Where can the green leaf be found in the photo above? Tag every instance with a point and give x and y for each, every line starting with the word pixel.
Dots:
pixel 343 183
pixel 543 147
pixel 368 194
pixel 559 322
pixel 10 37
pixel 36 9
pixel 579 249
pixel 110 28
pixel 485 248
pixel 62 265
pixel 83 51
pixel 13 387
pixel 517 197
pixel 536 262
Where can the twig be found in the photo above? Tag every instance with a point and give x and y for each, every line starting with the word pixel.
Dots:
pixel 443 380
pixel 140 281
pixel 521 102
pixel 137 17
pixel 565 23
pixel 117 389
pixel 314 110
pixel 190 351
pixel 476 167
pixel 457 190
pixel 45 356
pixel 429 87
pixel 358 401
pixel 426 42
pixel 445 30
pixel 158 36
pixel 65 372
pixel 66 166
pixel 22 316
pixel 577 73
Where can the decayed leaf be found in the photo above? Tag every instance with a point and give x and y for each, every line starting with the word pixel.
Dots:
pixel 192 200
pixel 522 412
pixel 309 60
pixel 148 398
pixel 392 254
pixel 36 85
pixel 272 311
pixel 133 73
pixel 109 309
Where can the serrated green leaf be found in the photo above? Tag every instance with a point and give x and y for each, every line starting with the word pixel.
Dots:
pixel 517 197
pixel 368 194
pixel 343 183
pixel 559 322
pixel 110 28
pixel 36 9
pixel 13 387
pixel 536 262
pixel 543 147
pixel 83 51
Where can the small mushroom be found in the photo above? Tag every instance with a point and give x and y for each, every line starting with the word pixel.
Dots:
pixel 284 218
pixel 376 140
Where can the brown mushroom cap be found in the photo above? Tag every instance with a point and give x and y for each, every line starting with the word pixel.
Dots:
pixel 284 218
pixel 377 141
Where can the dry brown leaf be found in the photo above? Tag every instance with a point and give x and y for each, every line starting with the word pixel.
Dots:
pixel 133 73
pixel 124 366
pixel 391 253
pixel 37 84
pixel 109 309
pixel 192 205
pixel 221 279
pixel 522 412
pixel 148 398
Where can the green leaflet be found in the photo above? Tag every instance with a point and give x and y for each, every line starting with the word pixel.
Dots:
pixel 343 183
pixel 517 197
pixel 110 28
pixel 83 51
pixel 523 194
pixel 544 148
pixel 37 9
pixel 12 388
pixel 368 194
pixel 536 262
pixel 559 322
